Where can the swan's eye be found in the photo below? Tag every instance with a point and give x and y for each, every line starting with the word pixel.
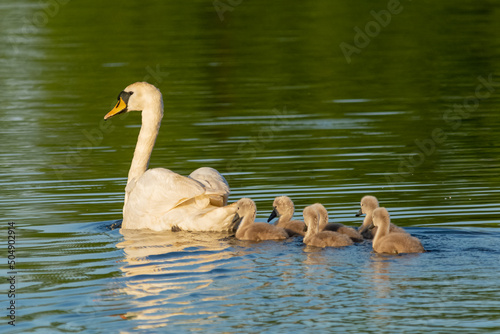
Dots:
pixel 125 96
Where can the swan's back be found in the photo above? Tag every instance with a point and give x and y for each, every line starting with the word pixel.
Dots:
pixel 161 200
pixel 396 243
pixel 215 184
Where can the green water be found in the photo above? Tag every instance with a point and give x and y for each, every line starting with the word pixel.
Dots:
pixel 322 101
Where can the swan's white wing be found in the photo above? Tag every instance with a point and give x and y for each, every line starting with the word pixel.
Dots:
pixel 161 199
pixel 215 184
pixel 160 190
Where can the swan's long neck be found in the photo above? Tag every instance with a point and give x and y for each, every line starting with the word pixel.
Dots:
pixel 151 120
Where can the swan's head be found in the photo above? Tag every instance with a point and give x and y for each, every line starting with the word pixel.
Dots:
pixel 368 204
pixel 281 205
pixel 311 218
pixel 381 217
pixel 136 97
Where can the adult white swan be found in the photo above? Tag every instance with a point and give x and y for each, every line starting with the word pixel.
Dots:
pixel 158 198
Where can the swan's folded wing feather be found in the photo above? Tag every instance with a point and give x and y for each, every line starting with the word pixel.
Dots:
pixel 215 184
pixel 161 190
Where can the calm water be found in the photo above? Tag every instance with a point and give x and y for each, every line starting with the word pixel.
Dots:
pixel 266 93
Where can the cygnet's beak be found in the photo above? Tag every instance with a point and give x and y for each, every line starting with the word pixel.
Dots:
pixel 236 218
pixel 236 222
pixel 273 215
pixel 371 226
pixel 360 212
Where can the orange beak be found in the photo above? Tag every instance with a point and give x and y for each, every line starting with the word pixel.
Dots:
pixel 120 107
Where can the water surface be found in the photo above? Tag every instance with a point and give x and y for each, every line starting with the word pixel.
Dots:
pixel 267 97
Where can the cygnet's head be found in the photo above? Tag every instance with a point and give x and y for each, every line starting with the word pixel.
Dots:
pixel 321 209
pixel 381 217
pixel 322 215
pixel 246 208
pixel 283 202
pixel 136 97
pixel 368 204
pixel 281 205
pixel 311 218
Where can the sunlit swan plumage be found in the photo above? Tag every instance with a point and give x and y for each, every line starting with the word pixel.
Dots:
pixel 284 210
pixel 368 205
pixel 324 225
pixel 317 238
pixel 248 229
pixel 392 242
pixel 159 199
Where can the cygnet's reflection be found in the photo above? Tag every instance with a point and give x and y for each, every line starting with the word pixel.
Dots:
pixel 379 283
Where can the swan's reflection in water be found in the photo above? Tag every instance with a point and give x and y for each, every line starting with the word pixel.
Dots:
pixel 177 274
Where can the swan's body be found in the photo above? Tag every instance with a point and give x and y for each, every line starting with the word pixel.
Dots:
pixel 368 205
pixel 392 242
pixel 284 210
pixel 317 238
pixel 250 230
pixel 159 199
pixel 324 225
